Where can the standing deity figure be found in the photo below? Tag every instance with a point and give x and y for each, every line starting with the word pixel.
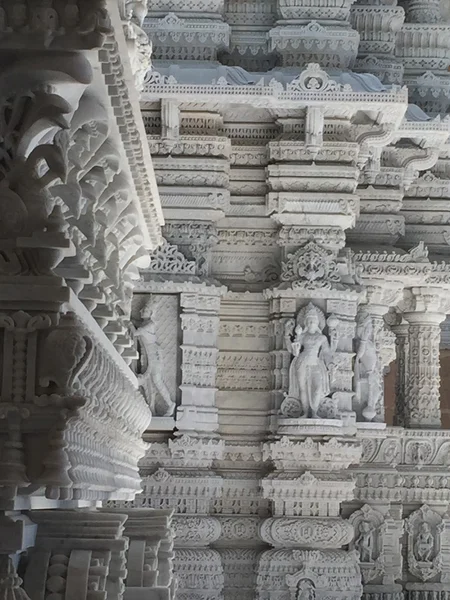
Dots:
pixel 139 45
pixel 309 382
pixel 364 542
pixel 306 590
pixel 151 377
pixel 368 387
pixel 424 544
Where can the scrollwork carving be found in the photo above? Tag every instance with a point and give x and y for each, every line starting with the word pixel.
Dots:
pixel 308 532
pixel 312 266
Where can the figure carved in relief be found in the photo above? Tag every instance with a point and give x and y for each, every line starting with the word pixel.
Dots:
pixel 367 368
pixel 306 590
pixel 309 382
pixel 151 378
pixel 424 544
pixel 139 45
pixel 364 543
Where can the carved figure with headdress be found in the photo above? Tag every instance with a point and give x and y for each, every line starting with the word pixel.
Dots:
pixel 151 378
pixel 309 381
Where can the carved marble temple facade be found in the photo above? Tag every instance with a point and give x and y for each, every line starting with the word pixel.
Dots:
pixel 224 299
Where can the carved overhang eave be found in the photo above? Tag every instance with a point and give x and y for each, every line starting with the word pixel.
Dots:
pixel 425 209
pixel 32 25
pixel 380 267
pixel 416 146
pixel 79 179
pixel 311 87
pixel 64 403
pixel 124 98
pixel 93 26
pixel 429 91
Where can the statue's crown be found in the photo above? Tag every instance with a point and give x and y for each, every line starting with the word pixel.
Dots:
pixel 311 311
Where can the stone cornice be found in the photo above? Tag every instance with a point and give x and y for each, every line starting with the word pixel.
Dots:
pixel 300 91
pixel 118 75
pixel 209 288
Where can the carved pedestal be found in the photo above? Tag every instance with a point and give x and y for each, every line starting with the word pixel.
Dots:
pixel 149 557
pixel 177 476
pixel 77 554
pixel 306 530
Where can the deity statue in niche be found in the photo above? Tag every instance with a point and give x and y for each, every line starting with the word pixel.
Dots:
pixel 151 369
pixel 368 388
pixel 309 381
pixel 306 590
pixel 424 544
pixel 364 543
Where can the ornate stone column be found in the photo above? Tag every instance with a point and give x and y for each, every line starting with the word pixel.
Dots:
pixel 313 422
pixel 73 178
pixel 402 349
pixel 422 393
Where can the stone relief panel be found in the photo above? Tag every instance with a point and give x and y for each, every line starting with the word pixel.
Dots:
pixel 309 380
pixel 377 542
pixel 312 367
pixel 156 318
pixel 368 373
pixel 427 543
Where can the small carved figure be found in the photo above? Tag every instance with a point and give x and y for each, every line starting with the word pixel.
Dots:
pixel 158 396
pixel 309 382
pixel 306 590
pixel 367 372
pixel 139 45
pixel 136 10
pixel 424 544
pixel 65 352
pixel 364 543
